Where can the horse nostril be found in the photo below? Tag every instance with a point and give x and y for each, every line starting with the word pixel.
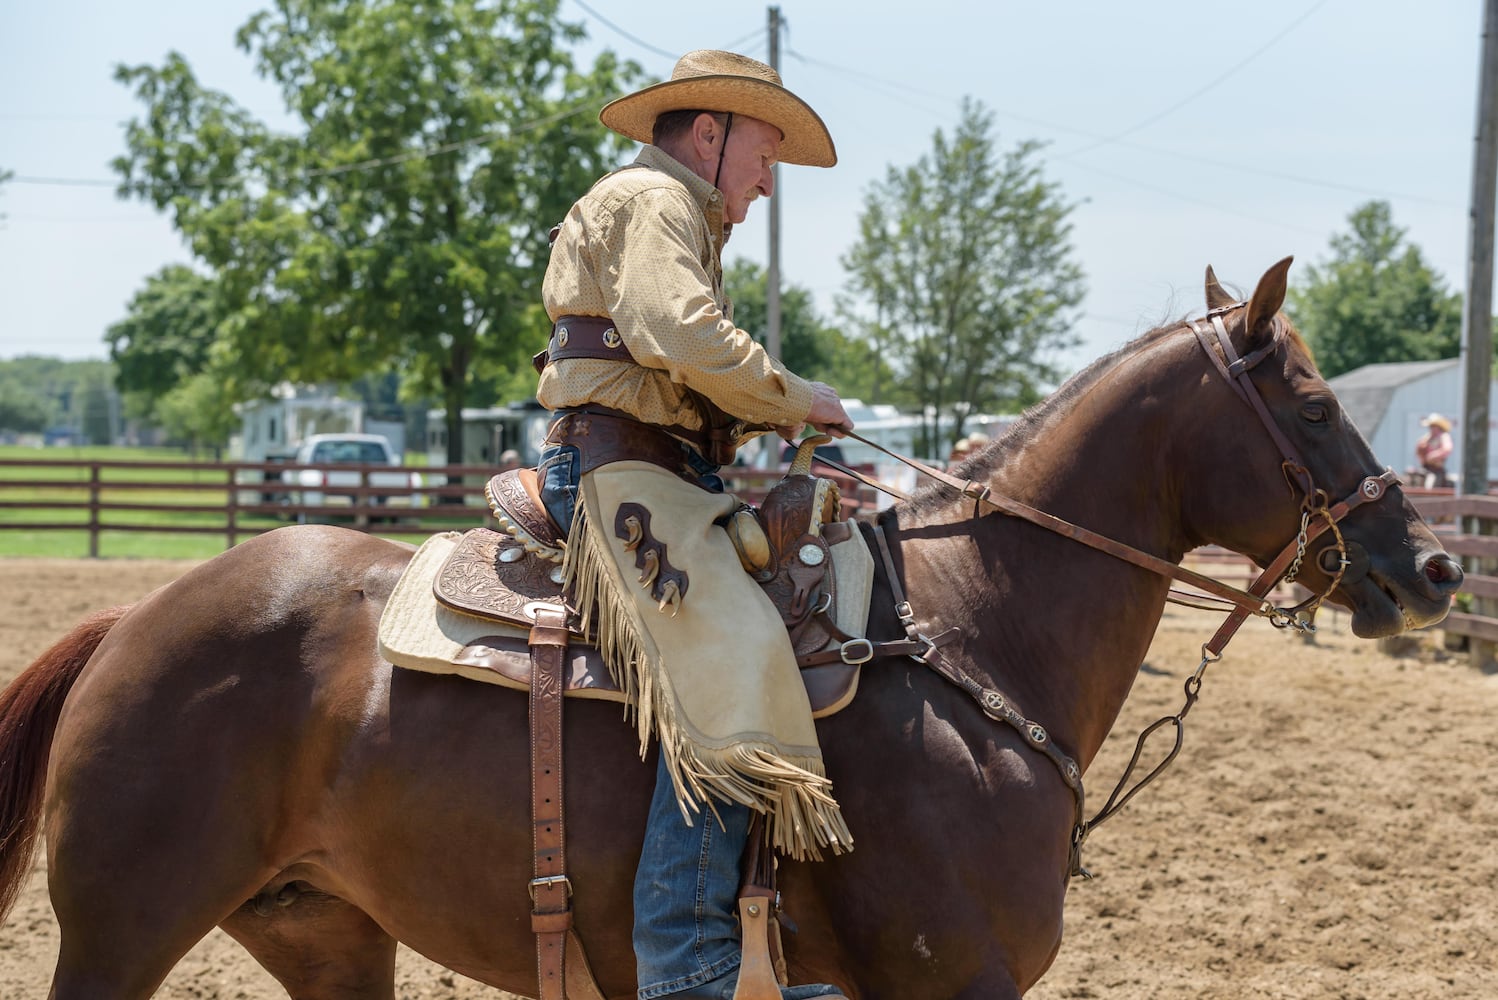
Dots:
pixel 1444 572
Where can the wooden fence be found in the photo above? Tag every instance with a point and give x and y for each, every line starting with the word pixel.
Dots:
pixel 239 499
pixel 1468 527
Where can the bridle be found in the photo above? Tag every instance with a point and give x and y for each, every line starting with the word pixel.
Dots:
pixel 1318 516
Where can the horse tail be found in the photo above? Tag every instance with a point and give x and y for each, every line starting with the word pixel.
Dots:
pixel 29 709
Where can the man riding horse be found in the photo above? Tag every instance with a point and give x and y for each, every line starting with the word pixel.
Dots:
pixel 654 388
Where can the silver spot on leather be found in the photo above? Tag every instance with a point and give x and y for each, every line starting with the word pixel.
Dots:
pixel 611 338
pixel 561 336
pixel 811 555
pixel 513 554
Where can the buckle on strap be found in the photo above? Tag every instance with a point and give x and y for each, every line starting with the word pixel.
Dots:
pixel 856 651
pixel 547 882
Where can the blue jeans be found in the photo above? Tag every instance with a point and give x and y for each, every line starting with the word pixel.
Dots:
pixel 686 894
pixel 686 929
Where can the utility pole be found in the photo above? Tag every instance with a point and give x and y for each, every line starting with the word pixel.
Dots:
pixel 772 275
pixel 1477 322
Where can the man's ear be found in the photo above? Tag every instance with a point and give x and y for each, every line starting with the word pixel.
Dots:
pixel 706 134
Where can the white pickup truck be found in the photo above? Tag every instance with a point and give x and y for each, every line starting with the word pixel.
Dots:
pixel 308 485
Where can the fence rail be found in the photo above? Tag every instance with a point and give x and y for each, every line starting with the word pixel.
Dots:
pixel 239 499
pixel 236 500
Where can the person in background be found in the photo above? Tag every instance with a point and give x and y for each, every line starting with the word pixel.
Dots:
pixel 1433 449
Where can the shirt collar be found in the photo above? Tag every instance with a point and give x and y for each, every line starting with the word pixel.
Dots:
pixel 708 197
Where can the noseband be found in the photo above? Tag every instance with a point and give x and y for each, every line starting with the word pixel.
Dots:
pixel 1318 514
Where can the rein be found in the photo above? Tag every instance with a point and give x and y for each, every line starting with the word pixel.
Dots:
pixel 1318 515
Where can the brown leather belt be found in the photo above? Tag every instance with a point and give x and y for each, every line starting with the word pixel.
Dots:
pixel 583 337
pixel 597 337
pixel 601 438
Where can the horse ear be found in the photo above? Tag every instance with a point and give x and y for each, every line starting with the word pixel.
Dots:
pixel 1266 300
pixel 1216 297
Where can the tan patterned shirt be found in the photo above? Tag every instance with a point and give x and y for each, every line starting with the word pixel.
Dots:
pixel 644 247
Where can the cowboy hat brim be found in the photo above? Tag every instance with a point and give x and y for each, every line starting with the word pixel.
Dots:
pixel 805 139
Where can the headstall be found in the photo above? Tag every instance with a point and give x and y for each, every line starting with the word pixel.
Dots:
pixel 1318 515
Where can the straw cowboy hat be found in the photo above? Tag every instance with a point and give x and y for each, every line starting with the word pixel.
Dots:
pixel 1436 420
pixel 712 80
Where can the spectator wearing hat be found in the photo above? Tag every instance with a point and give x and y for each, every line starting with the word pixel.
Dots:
pixel 1433 449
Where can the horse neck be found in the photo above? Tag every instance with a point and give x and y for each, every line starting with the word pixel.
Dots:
pixel 1060 628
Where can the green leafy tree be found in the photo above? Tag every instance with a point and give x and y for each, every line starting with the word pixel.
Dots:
pixel 22 409
pixel 1375 299
pixel 809 347
pixel 404 226
pixel 195 413
pixel 166 337
pixel 66 391
pixel 963 273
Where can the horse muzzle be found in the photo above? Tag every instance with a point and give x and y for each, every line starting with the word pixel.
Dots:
pixel 1385 601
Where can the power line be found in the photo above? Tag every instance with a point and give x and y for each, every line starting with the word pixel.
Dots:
pixel 383 161
pixel 1200 90
pixel 1168 193
pixel 620 31
pixel 889 86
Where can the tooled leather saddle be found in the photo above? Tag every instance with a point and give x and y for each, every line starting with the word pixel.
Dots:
pixel 787 545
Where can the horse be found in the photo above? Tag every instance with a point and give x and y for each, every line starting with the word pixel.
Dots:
pixel 231 750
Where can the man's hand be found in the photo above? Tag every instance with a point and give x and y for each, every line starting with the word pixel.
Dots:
pixel 827 414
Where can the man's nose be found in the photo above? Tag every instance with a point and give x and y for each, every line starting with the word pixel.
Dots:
pixel 767 182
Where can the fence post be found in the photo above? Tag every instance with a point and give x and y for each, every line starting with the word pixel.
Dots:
pixel 1480 651
pixel 232 507
pixel 362 500
pixel 93 510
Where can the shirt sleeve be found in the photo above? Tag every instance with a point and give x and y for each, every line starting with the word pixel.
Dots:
pixel 660 296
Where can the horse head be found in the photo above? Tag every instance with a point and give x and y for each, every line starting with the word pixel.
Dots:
pixel 1268 406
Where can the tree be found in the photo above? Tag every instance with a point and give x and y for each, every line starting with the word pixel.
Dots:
pixel 963 273
pixel 196 413
pixel 167 335
pixel 1375 299
pixel 809 347
pixel 21 409
pixel 66 393
pixel 405 226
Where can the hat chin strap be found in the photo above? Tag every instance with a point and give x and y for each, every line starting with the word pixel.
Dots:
pixel 723 149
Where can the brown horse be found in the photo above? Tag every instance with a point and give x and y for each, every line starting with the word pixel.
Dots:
pixel 231 750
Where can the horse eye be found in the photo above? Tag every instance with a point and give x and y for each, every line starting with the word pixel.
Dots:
pixel 1314 413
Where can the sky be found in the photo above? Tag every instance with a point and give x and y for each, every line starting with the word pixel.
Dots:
pixel 1232 133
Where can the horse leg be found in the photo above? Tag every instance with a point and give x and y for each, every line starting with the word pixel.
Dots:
pixel 319 947
pixel 136 878
pixel 121 931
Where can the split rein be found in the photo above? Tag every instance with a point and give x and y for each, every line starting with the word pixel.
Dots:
pixel 1318 515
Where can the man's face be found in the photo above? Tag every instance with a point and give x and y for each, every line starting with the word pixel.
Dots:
pixel 753 147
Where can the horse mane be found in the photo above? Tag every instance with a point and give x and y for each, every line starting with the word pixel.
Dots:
pixel 930 495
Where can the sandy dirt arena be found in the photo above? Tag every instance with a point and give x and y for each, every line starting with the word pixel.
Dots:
pixel 1328 831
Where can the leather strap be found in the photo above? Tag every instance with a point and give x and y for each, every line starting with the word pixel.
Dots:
pixel 550 890
pixel 601 437
pixel 583 337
